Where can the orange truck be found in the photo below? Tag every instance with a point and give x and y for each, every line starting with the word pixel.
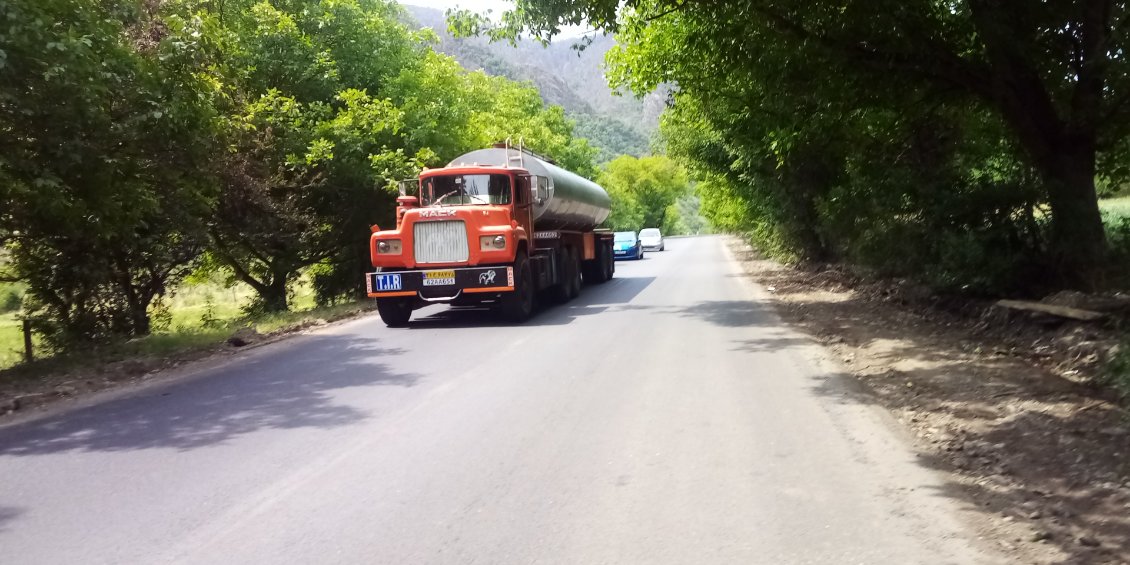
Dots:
pixel 495 227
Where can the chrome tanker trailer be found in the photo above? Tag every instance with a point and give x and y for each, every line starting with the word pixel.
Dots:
pixel 494 227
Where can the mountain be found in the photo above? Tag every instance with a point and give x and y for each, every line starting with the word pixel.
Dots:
pixel 574 79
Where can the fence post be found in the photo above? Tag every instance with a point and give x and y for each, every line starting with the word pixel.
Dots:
pixel 29 353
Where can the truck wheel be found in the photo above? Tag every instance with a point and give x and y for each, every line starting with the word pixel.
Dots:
pixel 609 266
pixel 517 306
pixel 564 290
pixel 395 312
pixel 588 272
pixel 574 274
pixel 596 270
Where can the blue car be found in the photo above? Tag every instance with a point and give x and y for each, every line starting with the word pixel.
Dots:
pixel 627 246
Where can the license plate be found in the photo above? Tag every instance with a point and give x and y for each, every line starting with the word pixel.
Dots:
pixel 439 278
pixel 387 282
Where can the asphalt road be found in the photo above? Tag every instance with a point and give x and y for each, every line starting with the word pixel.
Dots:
pixel 664 417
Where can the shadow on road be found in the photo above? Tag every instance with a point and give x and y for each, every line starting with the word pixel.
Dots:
pixel 731 313
pixel 594 299
pixel 7 514
pixel 289 387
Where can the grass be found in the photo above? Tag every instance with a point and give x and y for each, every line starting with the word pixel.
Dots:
pixel 11 340
pixel 1114 209
pixel 198 316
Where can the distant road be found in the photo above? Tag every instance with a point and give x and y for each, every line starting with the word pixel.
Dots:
pixel 664 417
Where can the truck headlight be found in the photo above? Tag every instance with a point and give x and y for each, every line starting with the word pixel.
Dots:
pixel 492 242
pixel 388 247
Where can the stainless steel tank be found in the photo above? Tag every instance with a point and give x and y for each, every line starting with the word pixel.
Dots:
pixel 572 202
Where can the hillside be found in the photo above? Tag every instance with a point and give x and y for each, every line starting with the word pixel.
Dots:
pixel 574 80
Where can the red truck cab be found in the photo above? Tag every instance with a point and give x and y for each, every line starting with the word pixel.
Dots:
pixel 465 235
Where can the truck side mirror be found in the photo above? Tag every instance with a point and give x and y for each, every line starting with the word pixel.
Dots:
pixel 409 187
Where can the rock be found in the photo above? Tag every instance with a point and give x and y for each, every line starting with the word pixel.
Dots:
pixel 1113 352
pixel 1035 515
pixel 23 402
pixel 1087 541
pixel 1071 298
pixel 1041 535
pixel 1116 431
pixel 65 390
pixel 127 368
pixel 244 336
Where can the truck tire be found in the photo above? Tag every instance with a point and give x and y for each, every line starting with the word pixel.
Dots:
pixel 594 271
pixel 517 306
pixel 395 312
pixel 568 287
pixel 574 274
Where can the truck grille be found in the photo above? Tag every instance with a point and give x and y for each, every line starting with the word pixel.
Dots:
pixel 440 242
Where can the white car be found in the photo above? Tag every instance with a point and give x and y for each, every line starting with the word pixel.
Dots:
pixel 651 239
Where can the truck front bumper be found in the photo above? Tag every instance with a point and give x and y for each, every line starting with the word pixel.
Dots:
pixel 439 284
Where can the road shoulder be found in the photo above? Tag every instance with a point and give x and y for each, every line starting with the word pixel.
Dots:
pixel 1038 459
pixel 54 392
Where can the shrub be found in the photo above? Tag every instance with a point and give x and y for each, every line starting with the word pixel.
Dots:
pixel 10 300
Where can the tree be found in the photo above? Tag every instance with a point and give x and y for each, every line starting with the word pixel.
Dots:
pixel 643 191
pixel 1052 72
pixel 105 128
pixel 330 103
pixel 313 138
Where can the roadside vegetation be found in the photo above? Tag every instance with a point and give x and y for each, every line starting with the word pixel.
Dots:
pixel 645 193
pixel 876 134
pixel 881 137
pixel 150 149
pixel 198 315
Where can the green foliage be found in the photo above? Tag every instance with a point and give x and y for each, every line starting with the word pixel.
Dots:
pixel 611 137
pixel 686 216
pixel 643 191
pixel 843 126
pixel 1114 209
pixel 11 297
pixel 1116 372
pixel 145 141
pixel 106 127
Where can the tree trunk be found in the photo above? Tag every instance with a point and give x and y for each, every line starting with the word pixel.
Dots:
pixel 274 294
pixel 1078 239
pixel 141 324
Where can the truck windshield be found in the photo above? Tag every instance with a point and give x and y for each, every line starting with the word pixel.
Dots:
pixel 461 190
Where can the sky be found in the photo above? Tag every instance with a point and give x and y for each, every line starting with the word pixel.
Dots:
pixel 497 7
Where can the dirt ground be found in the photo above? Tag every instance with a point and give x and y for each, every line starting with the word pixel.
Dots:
pixel 1002 404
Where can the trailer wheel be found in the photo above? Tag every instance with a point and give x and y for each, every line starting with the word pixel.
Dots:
pixel 574 282
pixel 593 271
pixel 567 288
pixel 609 266
pixel 596 270
pixel 395 312
pixel 517 306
